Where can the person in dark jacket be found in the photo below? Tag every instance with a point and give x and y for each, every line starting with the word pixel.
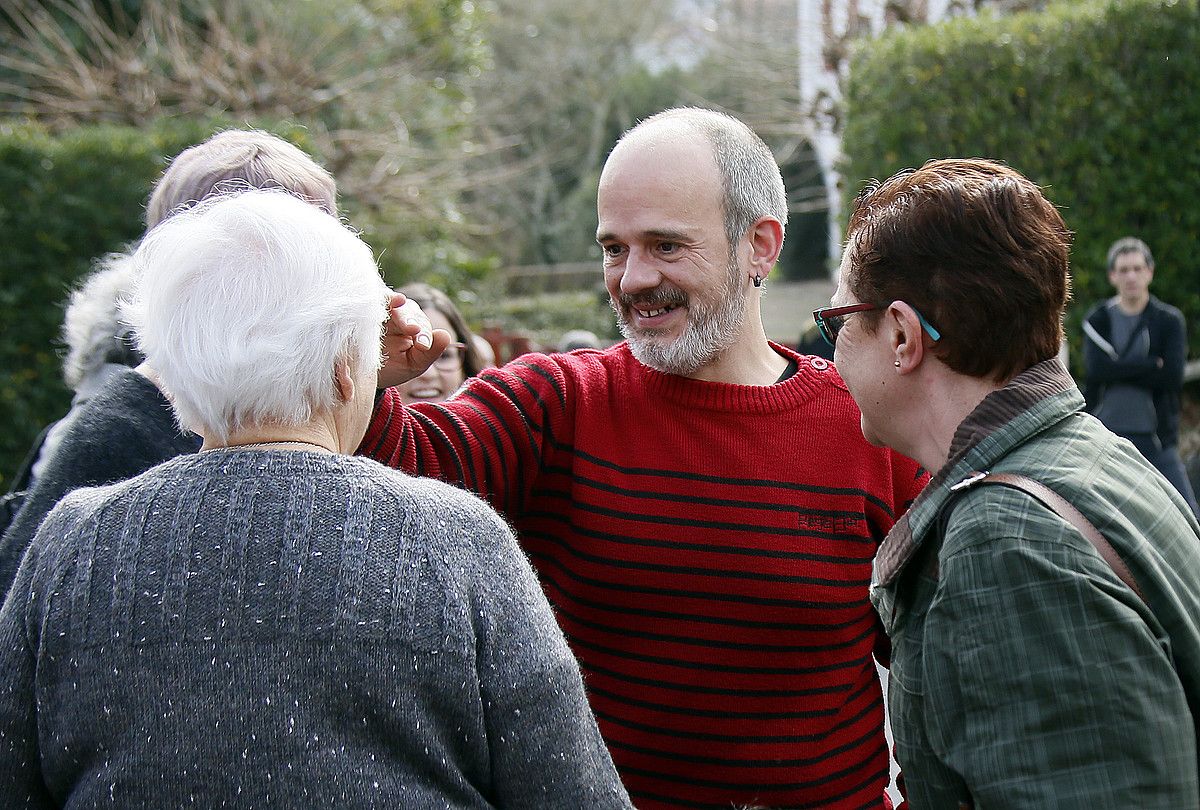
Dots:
pixel 271 622
pixel 1134 349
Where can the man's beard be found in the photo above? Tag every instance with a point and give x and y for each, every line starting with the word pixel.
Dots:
pixel 710 330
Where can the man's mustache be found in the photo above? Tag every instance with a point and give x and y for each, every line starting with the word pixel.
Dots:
pixel 661 296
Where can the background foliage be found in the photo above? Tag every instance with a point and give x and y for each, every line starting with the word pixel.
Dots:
pixel 465 135
pixel 468 135
pixel 1094 101
pixel 380 86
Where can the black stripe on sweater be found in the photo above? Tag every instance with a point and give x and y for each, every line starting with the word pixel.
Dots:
pixel 736 598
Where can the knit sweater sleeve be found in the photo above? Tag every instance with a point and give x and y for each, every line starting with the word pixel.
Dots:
pixel 546 748
pixel 489 438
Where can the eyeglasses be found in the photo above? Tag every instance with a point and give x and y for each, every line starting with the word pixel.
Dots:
pixel 451 359
pixel 830 320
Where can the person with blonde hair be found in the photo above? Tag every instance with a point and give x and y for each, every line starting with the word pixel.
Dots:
pixel 270 621
pixel 239 158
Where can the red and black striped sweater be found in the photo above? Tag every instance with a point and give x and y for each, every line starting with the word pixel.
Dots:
pixel 707 548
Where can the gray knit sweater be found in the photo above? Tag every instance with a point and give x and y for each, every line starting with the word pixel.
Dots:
pixel 253 628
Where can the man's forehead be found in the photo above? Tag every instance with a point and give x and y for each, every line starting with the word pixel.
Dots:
pixel 1130 258
pixel 666 147
pixel 652 188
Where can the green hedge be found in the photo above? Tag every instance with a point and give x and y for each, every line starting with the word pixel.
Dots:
pixel 1095 101
pixel 67 199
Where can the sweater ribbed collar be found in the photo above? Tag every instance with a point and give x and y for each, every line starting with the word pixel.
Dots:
pixel 812 375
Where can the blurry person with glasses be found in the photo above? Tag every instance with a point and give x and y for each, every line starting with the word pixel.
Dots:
pixel 1037 661
pixel 461 360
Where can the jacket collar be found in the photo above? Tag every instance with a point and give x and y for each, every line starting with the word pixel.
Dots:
pixel 1041 396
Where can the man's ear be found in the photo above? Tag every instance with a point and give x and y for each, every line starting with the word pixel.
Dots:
pixel 765 238
pixel 343 380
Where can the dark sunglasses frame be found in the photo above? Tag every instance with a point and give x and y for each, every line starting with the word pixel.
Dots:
pixel 830 320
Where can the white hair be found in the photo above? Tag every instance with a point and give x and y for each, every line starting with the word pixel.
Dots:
pixel 92 328
pixel 245 305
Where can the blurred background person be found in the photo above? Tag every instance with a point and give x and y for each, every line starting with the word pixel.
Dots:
pixel 1134 351
pixel 1026 672
pixel 462 359
pixel 271 621
pixel 126 426
pixel 574 339
pixel 98 343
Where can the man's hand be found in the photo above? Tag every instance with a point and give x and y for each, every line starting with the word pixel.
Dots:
pixel 410 343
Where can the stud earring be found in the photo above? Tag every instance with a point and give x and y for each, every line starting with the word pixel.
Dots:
pixel 896 364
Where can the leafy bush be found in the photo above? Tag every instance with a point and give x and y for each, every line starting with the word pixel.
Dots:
pixel 1091 100
pixel 380 87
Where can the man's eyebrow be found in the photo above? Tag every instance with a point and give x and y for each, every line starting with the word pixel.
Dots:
pixel 666 234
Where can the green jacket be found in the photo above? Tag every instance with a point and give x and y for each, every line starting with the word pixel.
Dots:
pixel 1024 673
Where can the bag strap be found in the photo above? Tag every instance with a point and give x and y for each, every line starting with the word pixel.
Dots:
pixel 1064 509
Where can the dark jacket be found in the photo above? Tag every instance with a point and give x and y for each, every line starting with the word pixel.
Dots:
pixel 1168 342
pixel 125 429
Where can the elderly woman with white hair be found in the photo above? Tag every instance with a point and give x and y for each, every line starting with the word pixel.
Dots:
pixel 271 622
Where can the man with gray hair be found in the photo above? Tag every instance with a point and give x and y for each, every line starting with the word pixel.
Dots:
pixel 699 501
pixel 1134 349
